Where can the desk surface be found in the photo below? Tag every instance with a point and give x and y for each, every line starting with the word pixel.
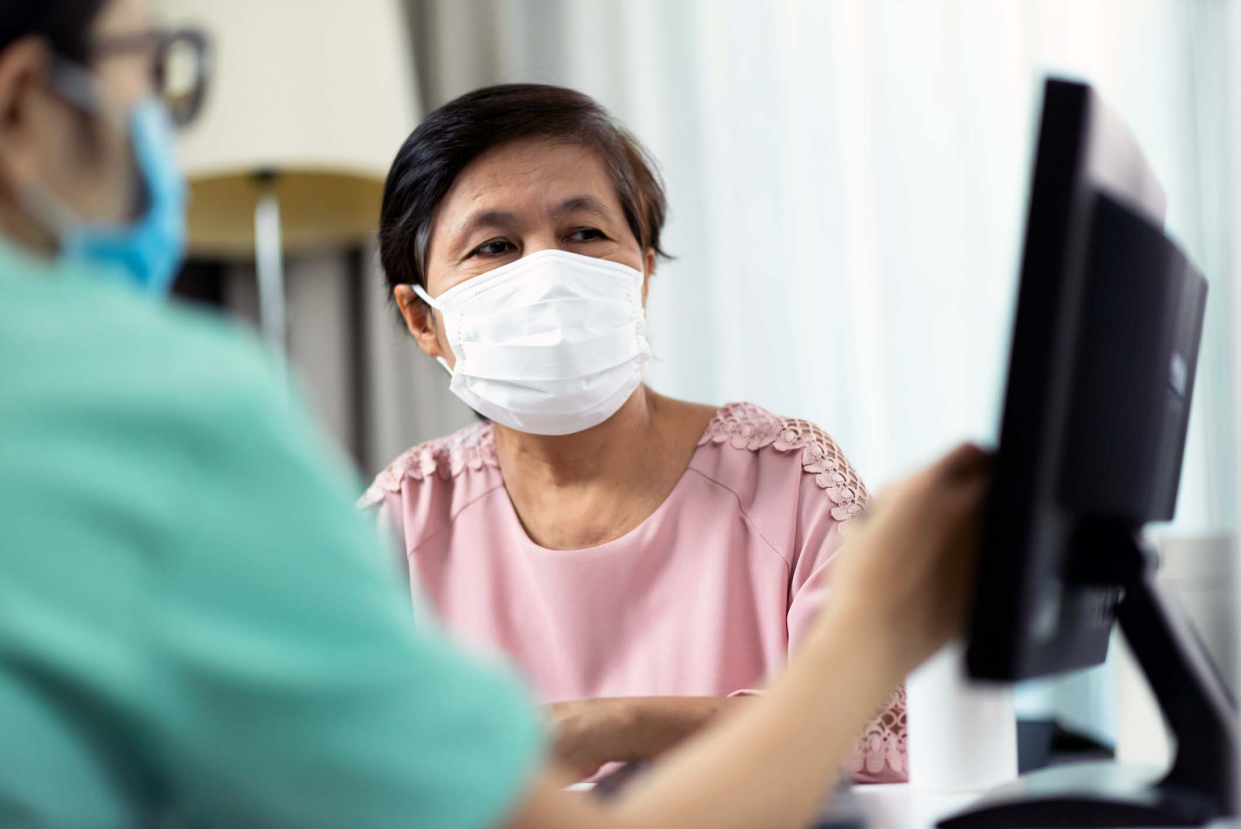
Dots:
pixel 903 807
pixel 900 806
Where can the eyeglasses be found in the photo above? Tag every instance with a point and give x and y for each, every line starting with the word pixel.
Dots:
pixel 180 66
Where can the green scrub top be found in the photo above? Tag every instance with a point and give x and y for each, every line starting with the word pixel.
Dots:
pixel 196 628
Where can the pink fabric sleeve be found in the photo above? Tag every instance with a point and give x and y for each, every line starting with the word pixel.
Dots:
pixel 387 514
pixel 881 753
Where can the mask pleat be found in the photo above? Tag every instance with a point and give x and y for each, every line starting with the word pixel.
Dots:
pixel 549 322
pixel 572 413
pixel 557 361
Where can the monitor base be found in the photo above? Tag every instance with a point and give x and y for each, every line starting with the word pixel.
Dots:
pixel 1086 796
pixel 1201 785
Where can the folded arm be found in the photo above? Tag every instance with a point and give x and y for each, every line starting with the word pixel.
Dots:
pixel 592 732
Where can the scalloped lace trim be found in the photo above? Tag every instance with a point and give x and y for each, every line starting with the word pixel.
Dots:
pixel 473 447
pixel 746 426
pixel 740 425
pixel 882 749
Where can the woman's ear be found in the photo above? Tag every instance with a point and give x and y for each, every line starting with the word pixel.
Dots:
pixel 418 320
pixel 20 65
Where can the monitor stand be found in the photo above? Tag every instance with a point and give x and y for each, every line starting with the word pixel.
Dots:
pixel 1199 710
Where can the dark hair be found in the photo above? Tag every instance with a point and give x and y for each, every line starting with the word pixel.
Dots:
pixel 461 130
pixel 66 24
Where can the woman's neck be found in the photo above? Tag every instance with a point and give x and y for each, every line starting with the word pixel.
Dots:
pixel 601 452
pixel 585 489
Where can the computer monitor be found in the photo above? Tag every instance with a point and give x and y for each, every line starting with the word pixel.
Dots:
pixel 1101 374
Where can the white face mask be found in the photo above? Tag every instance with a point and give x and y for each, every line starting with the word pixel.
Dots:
pixel 551 344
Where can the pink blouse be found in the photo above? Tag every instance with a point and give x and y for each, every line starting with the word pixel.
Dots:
pixel 704 598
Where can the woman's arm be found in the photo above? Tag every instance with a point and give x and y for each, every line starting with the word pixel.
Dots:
pixel 592 732
pixel 772 763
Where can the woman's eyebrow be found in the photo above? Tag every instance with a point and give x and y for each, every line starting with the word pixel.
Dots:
pixel 486 219
pixel 581 204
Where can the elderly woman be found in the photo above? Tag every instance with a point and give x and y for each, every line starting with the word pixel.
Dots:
pixel 644 560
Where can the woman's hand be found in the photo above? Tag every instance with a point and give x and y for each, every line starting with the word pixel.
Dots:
pixel 590 733
pixel 593 732
pixel 908 568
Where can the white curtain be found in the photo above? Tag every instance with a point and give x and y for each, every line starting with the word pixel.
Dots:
pixel 848 183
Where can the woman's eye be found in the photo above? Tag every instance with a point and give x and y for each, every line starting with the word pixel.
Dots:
pixel 492 248
pixel 587 234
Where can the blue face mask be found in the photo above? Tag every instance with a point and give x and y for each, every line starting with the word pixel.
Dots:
pixel 149 250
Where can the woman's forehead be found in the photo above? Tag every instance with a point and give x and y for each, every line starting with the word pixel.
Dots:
pixel 529 175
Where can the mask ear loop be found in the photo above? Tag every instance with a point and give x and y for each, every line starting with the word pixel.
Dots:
pixel 425 297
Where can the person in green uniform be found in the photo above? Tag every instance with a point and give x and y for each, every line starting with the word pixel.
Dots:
pixel 196 628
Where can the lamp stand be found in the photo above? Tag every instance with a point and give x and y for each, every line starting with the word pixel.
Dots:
pixel 269 264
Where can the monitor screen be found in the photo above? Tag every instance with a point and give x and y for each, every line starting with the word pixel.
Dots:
pixel 1100 376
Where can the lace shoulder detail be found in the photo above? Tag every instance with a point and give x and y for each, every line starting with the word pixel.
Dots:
pixel 472 448
pixel 746 426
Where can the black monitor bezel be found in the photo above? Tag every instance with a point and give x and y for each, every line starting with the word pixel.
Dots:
pixel 1082 150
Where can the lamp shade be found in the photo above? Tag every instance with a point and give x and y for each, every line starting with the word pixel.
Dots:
pixel 318 93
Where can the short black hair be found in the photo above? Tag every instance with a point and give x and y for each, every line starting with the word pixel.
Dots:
pixel 65 24
pixel 463 129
